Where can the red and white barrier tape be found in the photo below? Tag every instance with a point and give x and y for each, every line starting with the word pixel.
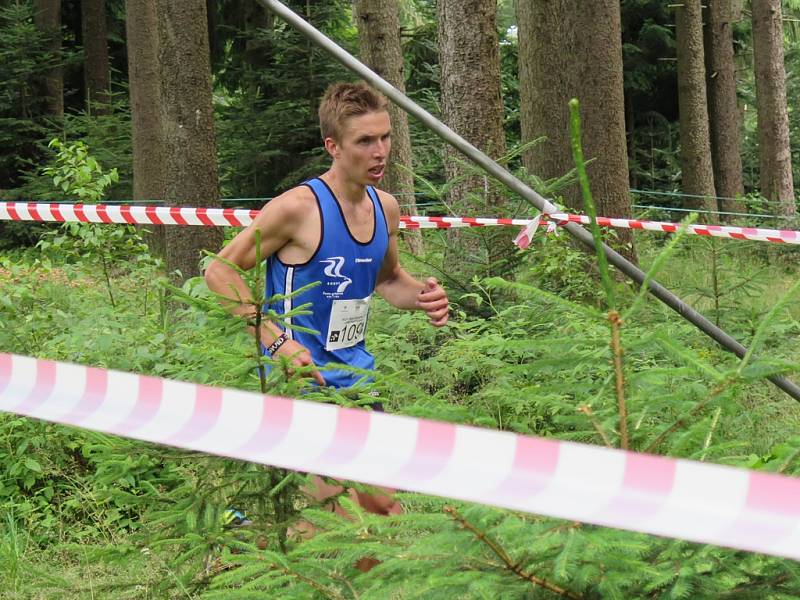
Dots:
pixel 780 236
pixel 676 498
pixel 235 217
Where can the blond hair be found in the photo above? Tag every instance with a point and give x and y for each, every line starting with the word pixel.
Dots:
pixel 345 100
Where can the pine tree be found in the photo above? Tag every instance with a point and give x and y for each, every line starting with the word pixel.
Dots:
pixel 697 174
pixel 48 21
pixel 149 166
pixel 96 68
pixel 188 125
pixel 379 44
pixel 723 111
pixel 773 121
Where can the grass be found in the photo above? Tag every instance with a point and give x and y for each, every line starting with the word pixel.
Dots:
pixel 58 573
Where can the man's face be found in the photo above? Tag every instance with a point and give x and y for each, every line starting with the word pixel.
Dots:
pixel 363 148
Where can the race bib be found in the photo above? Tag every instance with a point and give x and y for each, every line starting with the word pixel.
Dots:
pixel 348 323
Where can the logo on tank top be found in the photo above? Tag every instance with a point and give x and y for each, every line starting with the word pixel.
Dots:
pixel 334 271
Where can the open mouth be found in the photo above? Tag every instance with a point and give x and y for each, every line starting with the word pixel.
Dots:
pixel 377 171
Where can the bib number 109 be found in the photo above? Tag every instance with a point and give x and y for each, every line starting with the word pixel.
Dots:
pixel 348 323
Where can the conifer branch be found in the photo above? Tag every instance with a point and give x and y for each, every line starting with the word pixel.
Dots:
pixel 616 348
pixel 789 461
pixel 501 553
pixel 307 580
pixel 681 421
pixel 587 410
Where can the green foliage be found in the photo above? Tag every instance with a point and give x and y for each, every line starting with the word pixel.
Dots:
pixel 77 173
pixel 529 355
pixel 534 365
pixel 23 59
pixel 267 129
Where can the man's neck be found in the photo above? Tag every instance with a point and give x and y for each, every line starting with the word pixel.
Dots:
pixel 347 192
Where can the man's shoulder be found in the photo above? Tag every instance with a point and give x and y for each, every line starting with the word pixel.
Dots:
pixel 389 204
pixel 294 202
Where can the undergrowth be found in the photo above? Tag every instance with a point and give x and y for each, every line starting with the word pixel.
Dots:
pixel 84 514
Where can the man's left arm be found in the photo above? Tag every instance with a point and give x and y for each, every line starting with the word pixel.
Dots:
pixel 399 288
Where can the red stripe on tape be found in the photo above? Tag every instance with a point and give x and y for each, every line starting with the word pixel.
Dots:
pixel 125 210
pixel 102 212
pixel 152 214
pixel 45 383
pixel 535 462
pixel 435 443
pixel 202 216
pixel 5 371
pixel 12 211
pixel 175 213
pixel 55 210
pixel 79 214
pixel 647 473
pixel 230 216
pixel 650 478
pixel 352 428
pixel 207 408
pixel 148 400
pixel 275 422
pixel 34 212
pixel 93 395
pixel 771 493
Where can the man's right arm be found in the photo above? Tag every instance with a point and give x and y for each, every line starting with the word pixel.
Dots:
pixel 277 223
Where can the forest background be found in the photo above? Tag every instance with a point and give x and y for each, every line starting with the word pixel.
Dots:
pixel 684 109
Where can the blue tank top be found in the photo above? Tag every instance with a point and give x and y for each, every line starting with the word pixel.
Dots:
pixel 347 271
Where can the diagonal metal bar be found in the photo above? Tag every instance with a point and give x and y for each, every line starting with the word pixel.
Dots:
pixel 514 184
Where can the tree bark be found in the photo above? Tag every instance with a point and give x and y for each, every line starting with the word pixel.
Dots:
pixel 47 19
pixel 777 184
pixel 572 49
pixel 723 111
pixel 697 171
pixel 149 168
pixel 96 69
pixel 188 125
pixel 547 81
pixel 469 58
pixel 379 45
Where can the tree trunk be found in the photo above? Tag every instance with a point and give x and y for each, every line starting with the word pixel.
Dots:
pixel 697 171
pixel 96 66
pixel 379 45
pixel 777 184
pixel 149 169
pixel 48 20
pixel 188 125
pixel 572 49
pixel 723 111
pixel 473 107
pixel 602 97
pixel 547 81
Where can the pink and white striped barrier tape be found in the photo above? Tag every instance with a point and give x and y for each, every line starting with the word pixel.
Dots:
pixel 225 217
pixel 694 501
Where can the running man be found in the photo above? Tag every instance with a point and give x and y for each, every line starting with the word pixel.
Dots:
pixel 340 230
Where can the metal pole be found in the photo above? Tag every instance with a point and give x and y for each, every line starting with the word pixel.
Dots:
pixel 514 184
